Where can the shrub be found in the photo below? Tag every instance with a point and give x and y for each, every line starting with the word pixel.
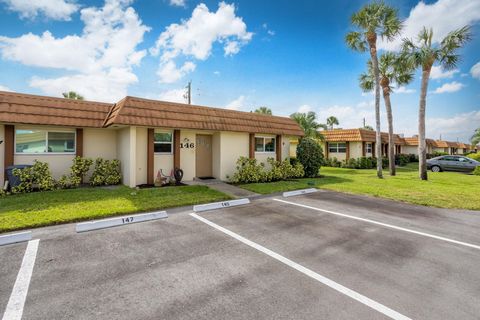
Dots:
pixel 402 159
pixel 106 172
pixel 248 171
pixel 412 157
pixel 476 171
pixel 78 170
pixel 310 155
pixel 37 176
pixel 474 156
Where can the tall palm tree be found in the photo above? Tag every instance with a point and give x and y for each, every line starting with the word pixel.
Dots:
pixel 308 122
pixel 424 53
pixel 395 70
pixel 373 20
pixel 475 139
pixel 264 110
pixel 72 95
pixel 331 121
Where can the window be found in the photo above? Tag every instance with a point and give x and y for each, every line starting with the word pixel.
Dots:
pixel 337 147
pixel 368 148
pixel 163 142
pixel 42 141
pixel 264 144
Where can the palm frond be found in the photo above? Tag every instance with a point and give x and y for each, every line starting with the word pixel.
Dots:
pixel 356 41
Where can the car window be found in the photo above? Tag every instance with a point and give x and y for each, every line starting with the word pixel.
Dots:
pixel 450 159
pixel 464 160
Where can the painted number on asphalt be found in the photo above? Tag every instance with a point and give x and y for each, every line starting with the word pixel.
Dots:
pixel 225 204
pixel 127 220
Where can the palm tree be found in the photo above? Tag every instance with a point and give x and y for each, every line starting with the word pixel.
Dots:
pixel 264 110
pixel 331 121
pixel 425 54
pixel 72 95
pixel 476 137
pixel 372 20
pixel 393 69
pixel 308 122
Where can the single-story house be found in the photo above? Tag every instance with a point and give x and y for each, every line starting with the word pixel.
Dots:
pixel 344 144
pixel 145 135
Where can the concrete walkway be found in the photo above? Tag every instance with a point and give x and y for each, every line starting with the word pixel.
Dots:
pixel 221 186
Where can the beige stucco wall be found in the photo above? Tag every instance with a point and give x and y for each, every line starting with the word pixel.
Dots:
pixel 216 155
pixel 233 145
pixel 126 144
pixel 100 143
pixel 410 149
pixel 141 156
pixel 355 149
pixel 2 155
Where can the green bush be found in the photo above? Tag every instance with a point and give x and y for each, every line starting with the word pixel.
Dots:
pixel 310 155
pixel 106 172
pixel 412 157
pixel 476 171
pixel 78 170
pixel 474 156
pixel 248 171
pixel 402 159
pixel 37 176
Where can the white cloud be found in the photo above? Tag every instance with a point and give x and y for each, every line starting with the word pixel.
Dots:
pixel 169 73
pixel 195 37
pixel 438 73
pixel 175 95
pixel 3 88
pixel 449 87
pixel 178 3
pixel 101 58
pixel 459 126
pixel 53 9
pixel 217 73
pixel 305 108
pixel 475 71
pixel 236 104
pixel 270 32
pixel 403 89
pixel 443 16
pixel 348 116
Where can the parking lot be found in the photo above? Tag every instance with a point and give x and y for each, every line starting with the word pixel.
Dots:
pixel 324 255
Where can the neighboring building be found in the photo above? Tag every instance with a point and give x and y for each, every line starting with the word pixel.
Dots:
pixel 145 135
pixel 344 144
pixel 354 143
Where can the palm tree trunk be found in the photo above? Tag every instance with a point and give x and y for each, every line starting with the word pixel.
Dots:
pixel 378 137
pixel 391 142
pixel 422 150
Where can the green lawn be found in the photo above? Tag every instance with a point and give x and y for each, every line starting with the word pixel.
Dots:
pixel 61 206
pixel 443 189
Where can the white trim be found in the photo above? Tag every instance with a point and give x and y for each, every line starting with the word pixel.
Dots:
pixel 474 246
pixel 308 272
pixel 162 142
pixel 266 137
pixel 14 310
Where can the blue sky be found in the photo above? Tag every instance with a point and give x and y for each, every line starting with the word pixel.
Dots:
pixel 287 55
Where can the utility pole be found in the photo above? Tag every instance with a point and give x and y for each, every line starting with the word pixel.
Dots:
pixel 188 93
pixel 364 123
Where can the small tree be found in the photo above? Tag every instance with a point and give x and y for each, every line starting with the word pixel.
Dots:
pixel 332 121
pixel 308 123
pixel 72 95
pixel 476 137
pixel 264 110
pixel 310 155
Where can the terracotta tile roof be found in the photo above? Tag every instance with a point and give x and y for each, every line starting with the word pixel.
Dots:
pixel 442 144
pixel 32 109
pixel 152 113
pixel 357 135
pixel 413 141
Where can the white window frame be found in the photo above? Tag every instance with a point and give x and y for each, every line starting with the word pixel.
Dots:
pixel 46 142
pixel 266 137
pixel 163 142
pixel 330 144
pixel 368 144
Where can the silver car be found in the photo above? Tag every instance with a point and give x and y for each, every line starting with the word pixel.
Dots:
pixel 452 163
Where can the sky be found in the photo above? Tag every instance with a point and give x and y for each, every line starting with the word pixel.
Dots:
pixel 287 55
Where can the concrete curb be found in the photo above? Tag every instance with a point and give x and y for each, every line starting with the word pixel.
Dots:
pixel 15 238
pixel 220 205
pixel 299 192
pixel 119 221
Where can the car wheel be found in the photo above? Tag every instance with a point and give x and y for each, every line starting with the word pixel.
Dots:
pixel 436 169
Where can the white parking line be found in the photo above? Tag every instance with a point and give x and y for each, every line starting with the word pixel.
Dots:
pixel 326 281
pixel 16 302
pixel 383 224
